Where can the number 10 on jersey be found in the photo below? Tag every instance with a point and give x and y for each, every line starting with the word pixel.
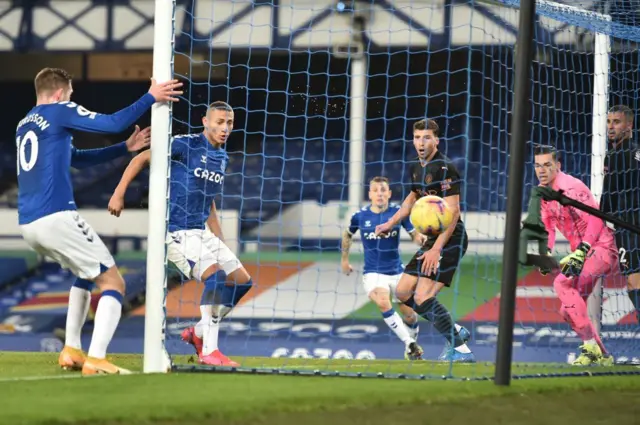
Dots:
pixel 22 161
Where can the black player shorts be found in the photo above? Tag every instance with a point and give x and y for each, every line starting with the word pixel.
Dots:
pixel 628 244
pixel 452 253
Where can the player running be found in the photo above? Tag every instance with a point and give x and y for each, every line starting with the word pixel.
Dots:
pixel 382 265
pixel 593 252
pixel 621 194
pixel 435 264
pixel 195 244
pixel 47 212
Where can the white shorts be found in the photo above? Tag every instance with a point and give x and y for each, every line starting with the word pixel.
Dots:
pixel 194 251
pixel 71 242
pixel 373 281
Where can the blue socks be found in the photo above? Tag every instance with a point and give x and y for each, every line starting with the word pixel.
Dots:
pixel 217 292
pixel 115 294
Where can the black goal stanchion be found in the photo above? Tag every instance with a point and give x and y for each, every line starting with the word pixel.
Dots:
pixel 517 146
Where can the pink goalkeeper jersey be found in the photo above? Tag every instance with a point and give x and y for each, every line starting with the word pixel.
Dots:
pixel 575 225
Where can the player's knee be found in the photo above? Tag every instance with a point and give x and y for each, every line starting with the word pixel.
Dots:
pixel 426 290
pixel 422 297
pixel 210 271
pixel 240 276
pixel 111 279
pixel 405 289
pixel 218 291
pixel 381 299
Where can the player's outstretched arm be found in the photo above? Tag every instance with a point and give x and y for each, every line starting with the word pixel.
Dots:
pixel 83 158
pixel 213 222
pixel 72 115
pixel 401 214
pixel 416 237
pixel 116 204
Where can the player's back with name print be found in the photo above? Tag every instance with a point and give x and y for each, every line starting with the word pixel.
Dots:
pixel 43 160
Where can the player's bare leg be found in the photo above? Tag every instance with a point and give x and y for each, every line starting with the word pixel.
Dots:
pixel 426 305
pixel 633 289
pixel 382 298
pixel 222 292
pixel 106 320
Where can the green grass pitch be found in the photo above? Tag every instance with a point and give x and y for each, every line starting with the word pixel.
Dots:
pixel 33 390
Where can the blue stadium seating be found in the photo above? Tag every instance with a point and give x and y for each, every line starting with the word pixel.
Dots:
pixel 45 291
pixel 11 268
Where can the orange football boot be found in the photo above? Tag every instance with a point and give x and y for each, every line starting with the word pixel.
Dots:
pixel 94 366
pixel 71 358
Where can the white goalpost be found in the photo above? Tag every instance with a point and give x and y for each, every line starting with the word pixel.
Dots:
pixel 156 358
pixel 601 58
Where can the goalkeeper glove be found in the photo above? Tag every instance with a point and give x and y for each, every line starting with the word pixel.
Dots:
pixel 572 264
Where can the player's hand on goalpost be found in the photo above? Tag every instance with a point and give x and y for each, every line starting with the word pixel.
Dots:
pixel 346 268
pixel 139 139
pixel 165 92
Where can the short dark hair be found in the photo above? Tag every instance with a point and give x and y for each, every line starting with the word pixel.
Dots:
pixel 628 113
pixel 545 150
pixel 427 124
pixel 380 179
pixel 51 79
pixel 219 105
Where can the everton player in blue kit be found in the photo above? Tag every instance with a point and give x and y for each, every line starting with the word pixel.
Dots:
pixel 195 243
pixel 382 265
pixel 47 212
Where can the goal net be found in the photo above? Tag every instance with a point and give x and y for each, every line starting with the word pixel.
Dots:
pixel 325 95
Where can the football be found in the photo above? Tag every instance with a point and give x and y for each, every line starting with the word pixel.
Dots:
pixel 431 215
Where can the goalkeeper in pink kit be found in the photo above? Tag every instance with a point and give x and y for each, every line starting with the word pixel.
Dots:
pixel 593 255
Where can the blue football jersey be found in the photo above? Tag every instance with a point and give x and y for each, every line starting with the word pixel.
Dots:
pixel 45 152
pixel 197 176
pixel 381 253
